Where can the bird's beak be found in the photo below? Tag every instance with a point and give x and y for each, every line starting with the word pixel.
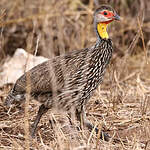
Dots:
pixel 117 17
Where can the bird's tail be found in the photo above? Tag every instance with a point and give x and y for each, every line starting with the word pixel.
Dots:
pixel 9 100
pixel 13 98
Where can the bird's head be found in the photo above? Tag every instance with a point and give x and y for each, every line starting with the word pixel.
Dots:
pixel 102 17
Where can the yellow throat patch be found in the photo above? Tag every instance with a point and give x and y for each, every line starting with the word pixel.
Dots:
pixel 102 30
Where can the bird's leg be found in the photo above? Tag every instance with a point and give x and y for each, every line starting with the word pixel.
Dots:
pixel 80 114
pixel 70 118
pixel 41 111
pixel 81 117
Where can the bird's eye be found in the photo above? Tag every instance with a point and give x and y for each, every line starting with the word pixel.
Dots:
pixel 105 13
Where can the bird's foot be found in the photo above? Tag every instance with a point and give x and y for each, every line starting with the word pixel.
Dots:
pixel 105 136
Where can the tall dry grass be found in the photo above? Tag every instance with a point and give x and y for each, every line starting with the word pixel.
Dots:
pixel 120 105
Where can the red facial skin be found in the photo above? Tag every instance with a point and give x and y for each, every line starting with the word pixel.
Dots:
pixel 108 15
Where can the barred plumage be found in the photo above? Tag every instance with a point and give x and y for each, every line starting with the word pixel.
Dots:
pixel 68 81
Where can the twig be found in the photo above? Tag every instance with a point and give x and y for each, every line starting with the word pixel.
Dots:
pixel 37 45
pixel 142 37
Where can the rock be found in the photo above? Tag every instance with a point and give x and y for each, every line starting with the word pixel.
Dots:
pixel 21 62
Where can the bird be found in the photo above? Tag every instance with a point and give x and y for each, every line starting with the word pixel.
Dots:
pixel 67 82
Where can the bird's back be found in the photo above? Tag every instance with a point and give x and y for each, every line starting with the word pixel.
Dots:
pixel 53 76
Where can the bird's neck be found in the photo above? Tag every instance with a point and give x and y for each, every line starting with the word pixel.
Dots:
pixel 101 31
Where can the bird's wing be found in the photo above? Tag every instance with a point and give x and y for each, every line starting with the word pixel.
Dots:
pixel 52 75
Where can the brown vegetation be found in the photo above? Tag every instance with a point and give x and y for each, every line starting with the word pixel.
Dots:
pixel 121 105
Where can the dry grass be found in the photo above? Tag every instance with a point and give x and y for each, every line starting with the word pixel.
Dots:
pixel 121 105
